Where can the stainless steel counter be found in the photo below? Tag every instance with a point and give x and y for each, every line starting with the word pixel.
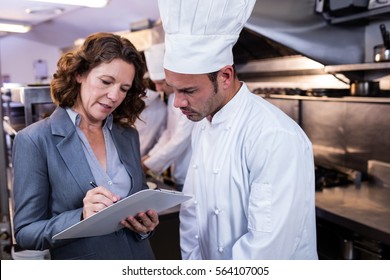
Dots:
pixel 30 96
pixel 365 210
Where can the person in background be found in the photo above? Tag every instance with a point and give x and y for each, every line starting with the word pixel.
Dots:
pixel 173 149
pixel 152 121
pixel 88 138
pixel 252 169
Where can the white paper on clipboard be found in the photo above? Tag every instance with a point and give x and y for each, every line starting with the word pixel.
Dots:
pixel 107 220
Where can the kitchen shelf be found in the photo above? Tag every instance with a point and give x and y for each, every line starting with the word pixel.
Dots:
pixel 362 71
pixel 350 99
pixel 281 66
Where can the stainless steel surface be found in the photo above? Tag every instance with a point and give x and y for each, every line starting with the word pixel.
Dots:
pixel 381 53
pixel 382 12
pixel 348 250
pixel 346 7
pixel 297 26
pixel 349 99
pixel 361 88
pixel 30 96
pixel 347 133
pixel 374 4
pixel 379 171
pixel 361 71
pixel 278 66
pixel 3 170
pixel 344 130
pixel 319 8
pixel 364 210
pixel 299 71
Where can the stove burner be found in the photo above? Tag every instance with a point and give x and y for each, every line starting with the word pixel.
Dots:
pixel 326 178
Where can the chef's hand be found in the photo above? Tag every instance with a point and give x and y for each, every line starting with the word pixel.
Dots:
pixel 144 167
pixel 97 199
pixel 143 223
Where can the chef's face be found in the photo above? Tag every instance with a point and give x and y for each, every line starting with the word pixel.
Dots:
pixel 103 89
pixel 195 95
pixel 162 86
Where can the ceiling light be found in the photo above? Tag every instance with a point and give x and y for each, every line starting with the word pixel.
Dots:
pixel 44 11
pixel 86 3
pixel 12 27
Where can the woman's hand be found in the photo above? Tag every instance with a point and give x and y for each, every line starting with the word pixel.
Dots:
pixel 144 222
pixel 97 199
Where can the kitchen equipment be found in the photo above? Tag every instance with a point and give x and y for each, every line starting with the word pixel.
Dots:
pixel 374 4
pixel 329 92
pixel 338 242
pixel 381 53
pixel 365 88
pixel 336 176
pixel 379 171
pixel 346 7
pixel 385 36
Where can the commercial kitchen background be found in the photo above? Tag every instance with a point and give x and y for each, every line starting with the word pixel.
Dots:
pixel 312 58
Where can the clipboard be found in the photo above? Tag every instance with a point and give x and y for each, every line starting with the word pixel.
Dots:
pixel 107 220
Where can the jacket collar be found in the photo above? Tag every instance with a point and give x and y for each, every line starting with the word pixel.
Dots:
pixel 231 109
pixel 76 117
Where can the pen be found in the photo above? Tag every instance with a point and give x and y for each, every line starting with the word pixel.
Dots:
pixel 93 184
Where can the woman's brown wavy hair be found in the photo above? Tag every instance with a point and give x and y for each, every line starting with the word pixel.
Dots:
pixel 100 48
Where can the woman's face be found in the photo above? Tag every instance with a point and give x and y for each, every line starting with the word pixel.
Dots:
pixel 103 89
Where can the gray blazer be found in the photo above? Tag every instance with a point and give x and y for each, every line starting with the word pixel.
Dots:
pixel 51 178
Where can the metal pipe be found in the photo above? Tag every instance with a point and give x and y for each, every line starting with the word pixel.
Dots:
pixel 3 170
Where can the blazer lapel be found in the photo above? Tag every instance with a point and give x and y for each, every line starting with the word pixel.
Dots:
pixel 70 148
pixel 124 147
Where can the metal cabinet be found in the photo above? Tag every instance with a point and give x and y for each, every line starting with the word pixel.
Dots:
pixel 30 97
pixel 36 103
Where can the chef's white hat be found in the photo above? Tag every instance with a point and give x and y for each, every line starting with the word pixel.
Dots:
pixel 200 34
pixel 154 57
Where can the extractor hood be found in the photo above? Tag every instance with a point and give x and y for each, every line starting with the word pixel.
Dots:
pixel 294 27
pixel 252 46
pixel 292 30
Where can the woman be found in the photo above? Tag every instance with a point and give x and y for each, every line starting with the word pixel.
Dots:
pixel 88 138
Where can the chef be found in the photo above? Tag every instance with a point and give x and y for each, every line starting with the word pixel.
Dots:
pixel 251 173
pixel 173 148
pixel 152 121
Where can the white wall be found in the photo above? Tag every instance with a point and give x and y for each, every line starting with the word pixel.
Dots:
pixel 17 58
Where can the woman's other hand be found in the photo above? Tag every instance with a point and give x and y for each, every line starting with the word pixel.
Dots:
pixel 143 223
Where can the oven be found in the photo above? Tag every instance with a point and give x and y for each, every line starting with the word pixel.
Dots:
pixel 335 242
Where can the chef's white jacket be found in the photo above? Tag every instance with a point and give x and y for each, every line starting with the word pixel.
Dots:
pixel 152 122
pixel 174 146
pixel 252 181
